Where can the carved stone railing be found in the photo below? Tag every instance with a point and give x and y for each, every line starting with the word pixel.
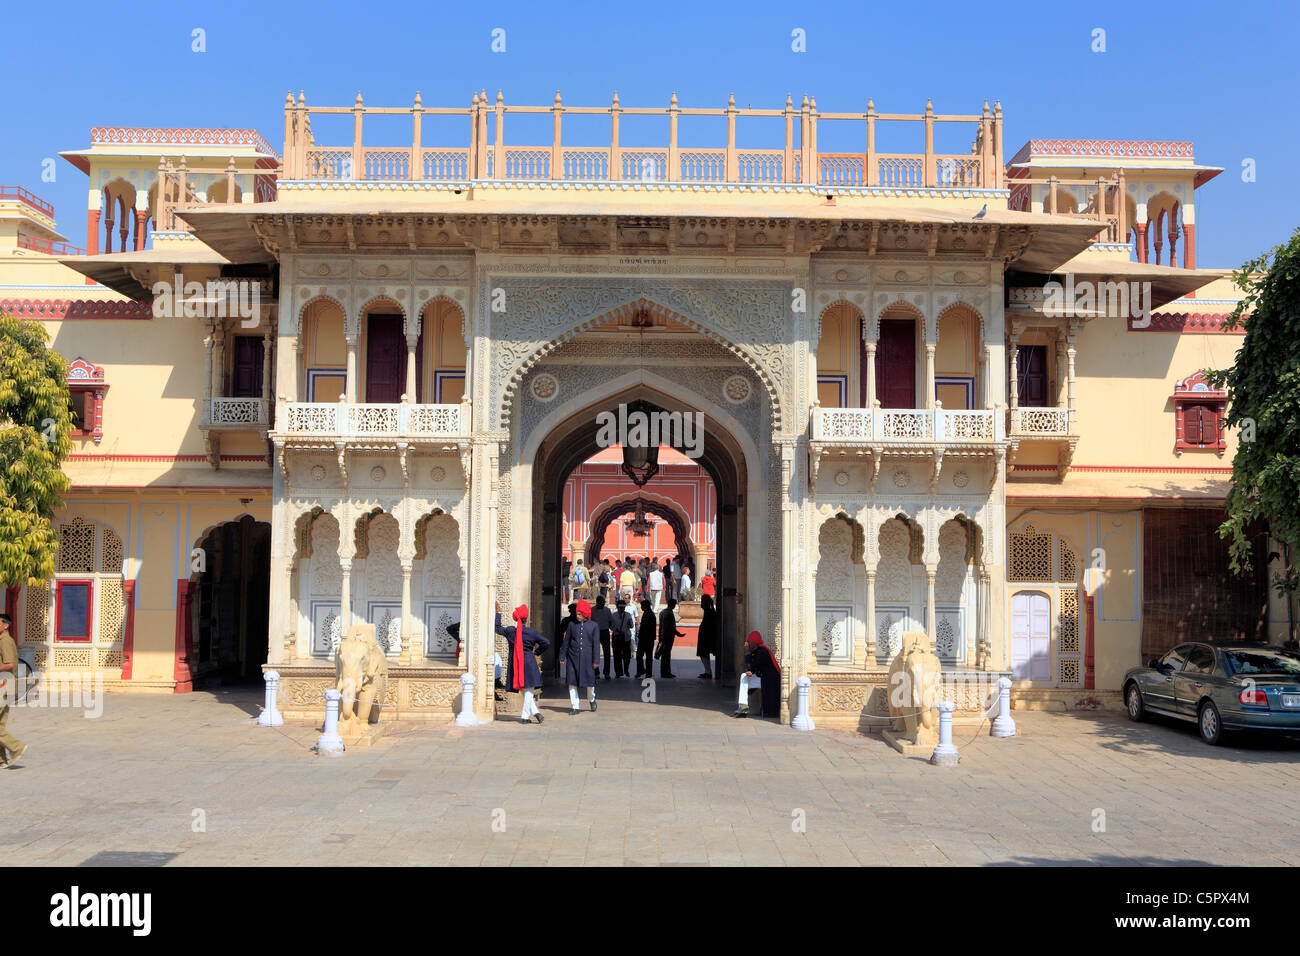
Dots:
pixel 235 413
pixel 1040 422
pixel 344 420
pixel 906 425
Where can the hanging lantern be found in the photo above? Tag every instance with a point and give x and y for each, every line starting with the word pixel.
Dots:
pixel 640 462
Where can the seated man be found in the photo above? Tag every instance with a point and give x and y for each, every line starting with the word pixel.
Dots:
pixel 761 673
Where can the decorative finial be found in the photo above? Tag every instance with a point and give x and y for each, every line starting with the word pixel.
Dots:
pixel 557 97
pixel 805 101
pixel 871 105
pixel 418 101
pixel 302 98
pixel 358 97
pixel 500 99
pixel 288 99
pixel 929 106
pixel 673 104
pixel 616 99
pixel 789 101
pixel 731 101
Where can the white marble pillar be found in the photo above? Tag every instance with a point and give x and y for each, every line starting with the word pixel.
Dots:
pixel 350 389
pixel 929 375
pixel 411 389
pixel 407 632
pixel 931 625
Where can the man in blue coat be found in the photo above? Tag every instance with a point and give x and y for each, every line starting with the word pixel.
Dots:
pixel 522 672
pixel 581 652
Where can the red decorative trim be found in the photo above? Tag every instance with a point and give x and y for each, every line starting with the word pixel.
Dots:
pixel 1089 645
pixel 56 309
pixel 1143 469
pixel 1207 323
pixel 184 637
pixel 1155 149
pixel 58 609
pixel 128 633
pixel 1195 390
pixel 162 458
pixel 198 136
pixel 86 377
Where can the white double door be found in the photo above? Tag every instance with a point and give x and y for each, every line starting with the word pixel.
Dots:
pixel 1031 636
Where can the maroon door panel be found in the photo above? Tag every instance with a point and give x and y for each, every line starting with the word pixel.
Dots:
pixel 1032 362
pixel 246 378
pixel 896 364
pixel 385 359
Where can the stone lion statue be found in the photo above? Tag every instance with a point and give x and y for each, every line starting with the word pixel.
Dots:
pixel 914 689
pixel 361 667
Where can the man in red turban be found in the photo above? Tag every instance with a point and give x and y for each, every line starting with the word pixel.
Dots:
pixel 762 673
pixel 522 672
pixel 581 651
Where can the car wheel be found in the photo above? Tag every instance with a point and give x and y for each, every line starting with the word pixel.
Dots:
pixel 1137 709
pixel 1210 724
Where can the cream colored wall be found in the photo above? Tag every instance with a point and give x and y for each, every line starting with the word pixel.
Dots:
pixel 154 369
pixel 1124 382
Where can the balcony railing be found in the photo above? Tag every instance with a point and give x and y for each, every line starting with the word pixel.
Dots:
pixel 907 425
pixel 488 154
pixel 27 198
pixel 344 420
pixel 48 247
pixel 235 413
pixel 1040 422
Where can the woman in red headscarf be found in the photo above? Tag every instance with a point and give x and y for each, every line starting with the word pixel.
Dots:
pixel 522 672
pixel 762 673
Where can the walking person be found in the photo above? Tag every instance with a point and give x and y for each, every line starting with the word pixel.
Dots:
pixel 675 573
pixel 627 584
pixel 668 634
pixel 11 748
pixel 656 587
pixel 762 673
pixel 621 636
pixel 709 584
pixel 566 569
pixel 707 639
pixel 685 580
pixel 604 579
pixel 581 656
pixel 645 641
pixel 559 636
pixel 579 579
pixel 522 673
pixel 604 620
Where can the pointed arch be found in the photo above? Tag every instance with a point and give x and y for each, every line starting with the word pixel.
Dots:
pixel 627 311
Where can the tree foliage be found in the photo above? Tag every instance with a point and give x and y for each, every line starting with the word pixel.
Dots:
pixel 1264 403
pixel 35 419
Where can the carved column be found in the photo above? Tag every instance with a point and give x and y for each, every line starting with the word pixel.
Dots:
pixel 1060 371
pixel 1189 244
pixel 345 598
pixel 869 339
pixel 218 368
pixel 929 375
pixel 268 352
pixel 931 625
pixel 1015 372
pixel 208 341
pixel 870 637
pixel 411 390
pixel 407 632
pixel 1141 229
pixel 350 388
pixel 1069 375
pixel 141 217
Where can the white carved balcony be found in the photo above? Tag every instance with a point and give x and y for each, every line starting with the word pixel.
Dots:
pixel 876 433
pixel 365 422
pixel 232 414
pixel 1049 425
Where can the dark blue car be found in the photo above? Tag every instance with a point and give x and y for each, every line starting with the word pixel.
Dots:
pixel 1222 687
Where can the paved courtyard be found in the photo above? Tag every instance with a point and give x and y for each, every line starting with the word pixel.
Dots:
pixel 191 780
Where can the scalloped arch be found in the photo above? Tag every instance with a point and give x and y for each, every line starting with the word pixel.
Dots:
pixel 898 305
pixel 627 310
pixel 961 306
pixel 318 297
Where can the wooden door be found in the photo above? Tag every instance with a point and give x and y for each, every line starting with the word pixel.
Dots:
pixel 385 359
pixel 246 376
pixel 896 364
pixel 1032 363
pixel 1031 636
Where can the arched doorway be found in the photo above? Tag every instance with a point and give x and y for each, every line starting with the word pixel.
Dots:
pixel 230 603
pixel 638 504
pixel 572 439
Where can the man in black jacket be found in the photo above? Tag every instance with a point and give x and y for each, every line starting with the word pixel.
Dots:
pixel 621 637
pixel 559 636
pixel 668 633
pixel 604 620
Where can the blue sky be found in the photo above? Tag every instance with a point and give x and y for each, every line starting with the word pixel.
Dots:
pixel 1220 75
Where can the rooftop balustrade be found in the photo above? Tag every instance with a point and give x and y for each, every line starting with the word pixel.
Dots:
pixel 370 421
pixel 488 155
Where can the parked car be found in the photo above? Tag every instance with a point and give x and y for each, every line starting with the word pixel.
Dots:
pixel 1222 686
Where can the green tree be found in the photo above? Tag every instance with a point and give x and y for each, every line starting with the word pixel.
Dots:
pixel 1264 404
pixel 35 418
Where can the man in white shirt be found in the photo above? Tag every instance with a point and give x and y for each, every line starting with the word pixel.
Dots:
pixel 656 583
pixel 686 580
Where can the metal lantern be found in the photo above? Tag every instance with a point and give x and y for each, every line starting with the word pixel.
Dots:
pixel 640 462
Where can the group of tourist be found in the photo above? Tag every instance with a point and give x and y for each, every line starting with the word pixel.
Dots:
pixel 633 580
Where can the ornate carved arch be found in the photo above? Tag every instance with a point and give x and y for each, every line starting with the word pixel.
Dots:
pixel 958 306
pixel 898 305
pixel 319 296
pixel 627 310
pixel 677 519
pixel 850 307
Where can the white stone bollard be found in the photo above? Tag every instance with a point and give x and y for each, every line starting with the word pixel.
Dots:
pixel 330 742
pixel 466 716
pixel 945 754
pixel 802 720
pixel 1003 725
pixel 270 715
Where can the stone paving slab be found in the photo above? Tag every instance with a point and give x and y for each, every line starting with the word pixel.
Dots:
pixel 191 780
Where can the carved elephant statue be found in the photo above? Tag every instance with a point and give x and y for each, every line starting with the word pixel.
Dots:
pixel 914 677
pixel 361 667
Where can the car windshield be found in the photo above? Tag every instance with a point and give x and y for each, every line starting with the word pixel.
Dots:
pixel 1262 661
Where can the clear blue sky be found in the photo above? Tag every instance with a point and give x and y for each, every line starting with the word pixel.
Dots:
pixel 1221 75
